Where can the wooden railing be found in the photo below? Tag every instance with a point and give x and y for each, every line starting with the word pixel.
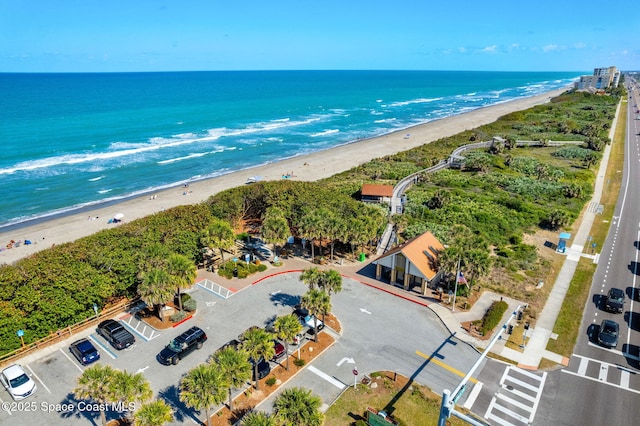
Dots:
pixel 66 332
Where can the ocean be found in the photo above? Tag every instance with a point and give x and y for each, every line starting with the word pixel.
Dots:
pixel 69 141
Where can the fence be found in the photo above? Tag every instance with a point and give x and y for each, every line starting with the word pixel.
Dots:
pixel 65 333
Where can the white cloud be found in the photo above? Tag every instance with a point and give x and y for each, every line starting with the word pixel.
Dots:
pixel 549 47
pixel 579 45
pixel 489 49
pixel 462 50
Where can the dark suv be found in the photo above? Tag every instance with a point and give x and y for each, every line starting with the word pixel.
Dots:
pixel 182 346
pixel 615 301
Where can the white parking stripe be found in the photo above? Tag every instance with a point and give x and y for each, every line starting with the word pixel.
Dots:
pixel 104 348
pixel 584 363
pixel 499 420
pixel 512 401
pixel 473 395
pixel 624 378
pixel 69 358
pixel 528 397
pixel 526 373
pixel 511 413
pixel 334 382
pixel 40 380
pixel 523 384
pixel 604 383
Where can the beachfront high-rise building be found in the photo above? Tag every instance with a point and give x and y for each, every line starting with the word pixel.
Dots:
pixel 602 79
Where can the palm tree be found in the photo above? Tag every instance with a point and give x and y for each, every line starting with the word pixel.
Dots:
pixel 128 387
pixel 219 234
pixel 275 228
pixel 298 406
pixel 258 418
pixel 287 327
pixel 156 289
pixel 331 281
pixel 258 344
pixel 203 387
pixel 478 264
pixel 182 271
pixel 95 384
pixel 235 366
pixel 318 303
pixel 311 277
pixel 334 225
pixel 310 227
pixel 154 413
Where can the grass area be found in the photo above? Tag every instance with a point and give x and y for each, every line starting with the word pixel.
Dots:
pixel 407 402
pixel 568 323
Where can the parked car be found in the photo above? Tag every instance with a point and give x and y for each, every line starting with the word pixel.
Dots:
pixel 17 382
pixel 608 334
pixel 279 350
pixel 182 346
pixel 300 312
pixel 615 301
pixel 264 368
pixel 116 334
pixel 84 351
pixel 241 336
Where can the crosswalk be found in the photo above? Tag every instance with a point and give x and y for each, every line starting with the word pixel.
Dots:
pixel 604 372
pixel 517 401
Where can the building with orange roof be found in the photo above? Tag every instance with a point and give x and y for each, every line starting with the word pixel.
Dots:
pixel 375 193
pixel 411 264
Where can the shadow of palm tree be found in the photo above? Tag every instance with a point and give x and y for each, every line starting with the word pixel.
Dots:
pixel 171 395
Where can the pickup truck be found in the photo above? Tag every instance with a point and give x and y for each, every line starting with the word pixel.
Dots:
pixel 115 333
pixel 309 321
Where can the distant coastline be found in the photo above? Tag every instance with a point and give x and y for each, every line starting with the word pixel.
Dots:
pixel 72 225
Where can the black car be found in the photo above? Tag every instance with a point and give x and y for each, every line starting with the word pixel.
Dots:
pixel 84 351
pixel 615 301
pixel 182 346
pixel 116 334
pixel 264 368
pixel 608 334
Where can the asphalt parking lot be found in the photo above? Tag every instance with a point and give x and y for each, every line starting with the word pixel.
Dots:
pixel 380 331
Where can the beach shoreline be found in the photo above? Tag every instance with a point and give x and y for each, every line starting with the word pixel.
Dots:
pixel 71 225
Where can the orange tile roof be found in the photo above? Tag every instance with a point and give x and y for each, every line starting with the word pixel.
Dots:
pixel 377 190
pixel 419 250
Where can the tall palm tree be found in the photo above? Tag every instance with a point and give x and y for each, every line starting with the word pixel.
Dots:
pixel 318 303
pixel 154 413
pixel 219 234
pixel 258 418
pixel 334 225
pixel 128 387
pixel 182 271
pixel 95 384
pixel 275 228
pixel 156 289
pixel 311 277
pixel 298 407
pixel 203 387
pixel 258 344
pixel 235 366
pixel 287 327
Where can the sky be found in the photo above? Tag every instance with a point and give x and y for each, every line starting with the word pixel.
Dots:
pixel 199 35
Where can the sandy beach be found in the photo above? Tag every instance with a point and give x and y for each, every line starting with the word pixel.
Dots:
pixel 319 165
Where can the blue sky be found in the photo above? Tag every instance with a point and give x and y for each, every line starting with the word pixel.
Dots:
pixel 163 35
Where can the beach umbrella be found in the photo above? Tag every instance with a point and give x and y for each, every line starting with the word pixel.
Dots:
pixel 118 216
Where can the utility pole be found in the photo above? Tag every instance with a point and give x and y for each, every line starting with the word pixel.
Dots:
pixel 453 307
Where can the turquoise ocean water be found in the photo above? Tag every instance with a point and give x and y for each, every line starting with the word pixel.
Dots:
pixel 69 141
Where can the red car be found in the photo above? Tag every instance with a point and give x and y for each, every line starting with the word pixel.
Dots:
pixel 279 347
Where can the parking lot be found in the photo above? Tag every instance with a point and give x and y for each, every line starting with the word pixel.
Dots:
pixel 380 331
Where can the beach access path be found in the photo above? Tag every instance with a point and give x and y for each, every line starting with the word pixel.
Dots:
pixel 43 233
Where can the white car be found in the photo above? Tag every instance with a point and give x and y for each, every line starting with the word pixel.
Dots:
pixel 17 382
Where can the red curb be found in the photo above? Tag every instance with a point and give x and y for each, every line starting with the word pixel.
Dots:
pixel 276 274
pixel 180 322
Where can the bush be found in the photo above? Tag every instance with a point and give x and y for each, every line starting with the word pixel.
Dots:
pixel 183 297
pixel 493 316
pixel 178 316
pixel 271 381
pixel 190 305
pixel 299 362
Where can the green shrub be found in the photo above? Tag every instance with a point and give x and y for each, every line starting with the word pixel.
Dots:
pixel 299 362
pixel 178 316
pixel 271 381
pixel 183 297
pixel 190 305
pixel 493 316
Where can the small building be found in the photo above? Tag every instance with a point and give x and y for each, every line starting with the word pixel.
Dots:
pixel 411 264
pixel 379 194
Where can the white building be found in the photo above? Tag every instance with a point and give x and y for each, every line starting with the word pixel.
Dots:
pixel 602 79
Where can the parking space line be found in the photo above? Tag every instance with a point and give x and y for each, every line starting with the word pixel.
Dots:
pixel 600 381
pixel 72 362
pixel 584 363
pixel 512 401
pixel 624 378
pixel 604 370
pixel 511 413
pixel 39 379
pixel 104 348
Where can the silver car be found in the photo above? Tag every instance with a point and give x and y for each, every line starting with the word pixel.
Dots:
pixel 17 382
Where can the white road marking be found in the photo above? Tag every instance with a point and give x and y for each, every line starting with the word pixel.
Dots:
pixel 473 395
pixel 584 363
pixel 40 380
pixel 604 370
pixel 69 358
pixel 334 382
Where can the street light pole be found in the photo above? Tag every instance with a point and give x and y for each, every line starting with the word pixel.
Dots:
pixel 453 306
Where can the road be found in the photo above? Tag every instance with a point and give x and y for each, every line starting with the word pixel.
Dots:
pixel 602 386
